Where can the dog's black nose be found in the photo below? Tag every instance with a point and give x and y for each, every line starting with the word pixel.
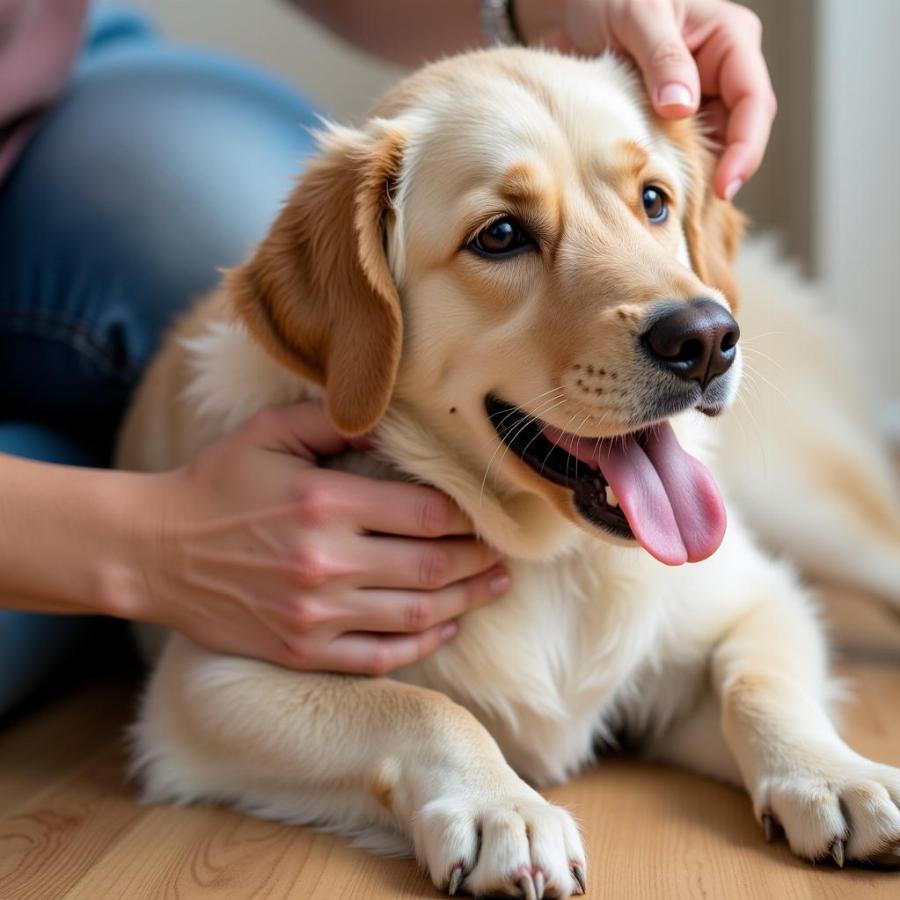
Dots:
pixel 695 341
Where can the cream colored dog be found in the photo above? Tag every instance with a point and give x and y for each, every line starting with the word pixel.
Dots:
pixel 519 276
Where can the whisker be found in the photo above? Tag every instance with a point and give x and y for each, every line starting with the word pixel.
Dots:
pixel 749 384
pixel 525 424
pixel 512 412
pixel 764 356
pixel 553 402
pixel 765 334
pixel 583 422
pixel 525 449
pixel 568 430
pixel 556 442
pixel 756 431
pixel 757 374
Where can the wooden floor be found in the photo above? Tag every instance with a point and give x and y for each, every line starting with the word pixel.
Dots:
pixel 70 826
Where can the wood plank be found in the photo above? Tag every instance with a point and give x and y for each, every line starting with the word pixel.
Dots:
pixel 52 840
pixel 47 741
pixel 203 852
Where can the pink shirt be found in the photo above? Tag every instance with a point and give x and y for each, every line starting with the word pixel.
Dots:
pixel 38 43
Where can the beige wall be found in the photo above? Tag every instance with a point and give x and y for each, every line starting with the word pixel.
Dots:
pixel 856 183
pixel 779 196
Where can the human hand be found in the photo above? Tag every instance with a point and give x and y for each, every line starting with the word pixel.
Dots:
pixel 693 54
pixel 256 551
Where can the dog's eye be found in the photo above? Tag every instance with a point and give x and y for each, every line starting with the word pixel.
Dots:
pixel 503 237
pixel 656 206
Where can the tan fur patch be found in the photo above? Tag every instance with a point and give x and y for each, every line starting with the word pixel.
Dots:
pixel 382 784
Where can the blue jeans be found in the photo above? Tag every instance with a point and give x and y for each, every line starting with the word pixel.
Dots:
pixel 157 167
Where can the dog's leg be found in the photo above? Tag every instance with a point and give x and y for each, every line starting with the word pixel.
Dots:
pixel 356 755
pixel 771 677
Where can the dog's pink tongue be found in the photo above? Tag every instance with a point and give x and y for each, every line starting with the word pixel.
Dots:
pixel 669 498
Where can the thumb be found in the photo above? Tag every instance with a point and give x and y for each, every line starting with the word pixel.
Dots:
pixel 302 429
pixel 652 36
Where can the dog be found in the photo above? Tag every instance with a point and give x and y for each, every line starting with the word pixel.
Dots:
pixel 520 279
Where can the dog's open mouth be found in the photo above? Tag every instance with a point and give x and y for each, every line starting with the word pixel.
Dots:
pixel 642 486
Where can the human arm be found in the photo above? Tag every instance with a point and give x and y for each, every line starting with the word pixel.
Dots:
pixel 406 32
pixel 253 549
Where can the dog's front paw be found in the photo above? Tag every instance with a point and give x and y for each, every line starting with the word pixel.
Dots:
pixel 517 847
pixel 846 809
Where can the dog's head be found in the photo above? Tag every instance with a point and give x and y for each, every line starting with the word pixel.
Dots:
pixel 523 274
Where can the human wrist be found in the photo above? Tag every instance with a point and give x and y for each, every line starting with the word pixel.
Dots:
pixel 138 506
pixel 69 538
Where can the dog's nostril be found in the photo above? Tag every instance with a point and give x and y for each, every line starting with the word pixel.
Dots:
pixel 729 342
pixel 688 352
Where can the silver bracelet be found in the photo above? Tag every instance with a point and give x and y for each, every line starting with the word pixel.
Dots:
pixel 498 25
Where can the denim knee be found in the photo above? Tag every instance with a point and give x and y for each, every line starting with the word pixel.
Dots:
pixel 160 166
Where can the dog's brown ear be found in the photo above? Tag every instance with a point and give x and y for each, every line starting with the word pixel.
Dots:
pixel 318 293
pixel 712 227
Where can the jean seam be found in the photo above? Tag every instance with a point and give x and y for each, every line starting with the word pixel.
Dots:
pixel 49 325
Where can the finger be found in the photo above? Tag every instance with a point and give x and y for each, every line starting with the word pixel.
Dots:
pixel 416 611
pixel 386 562
pixel 746 137
pixel 302 429
pixel 651 34
pixel 411 510
pixel 733 70
pixel 378 654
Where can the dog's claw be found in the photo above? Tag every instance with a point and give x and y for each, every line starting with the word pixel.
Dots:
pixel 837 853
pixel 526 886
pixel 770 827
pixel 540 883
pixel 578 875
pixel 456 877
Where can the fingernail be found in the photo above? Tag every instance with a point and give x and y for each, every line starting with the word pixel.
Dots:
pixel 499 583
pixel 448 630
pixel 733 187
pixel 675 94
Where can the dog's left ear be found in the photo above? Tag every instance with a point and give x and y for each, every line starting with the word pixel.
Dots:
pixel 712 227
pixel 318 293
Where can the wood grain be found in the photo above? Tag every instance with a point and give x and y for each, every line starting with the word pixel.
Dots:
pixel 60 735
pixel 70 826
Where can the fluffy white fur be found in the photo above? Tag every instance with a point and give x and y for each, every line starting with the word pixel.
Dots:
pixel 719 666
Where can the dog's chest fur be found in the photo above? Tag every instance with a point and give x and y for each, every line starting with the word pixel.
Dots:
pixel 587 651
pixel 576 657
